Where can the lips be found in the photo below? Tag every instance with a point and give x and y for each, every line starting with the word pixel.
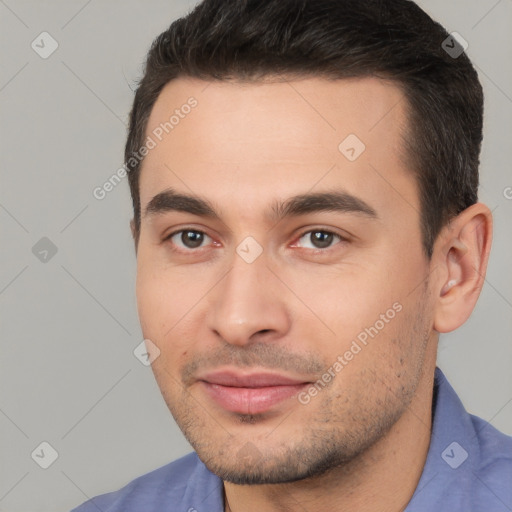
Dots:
pixel 249 393
pixel 255 380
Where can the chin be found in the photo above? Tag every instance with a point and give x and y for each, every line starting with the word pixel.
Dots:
pixel 249 466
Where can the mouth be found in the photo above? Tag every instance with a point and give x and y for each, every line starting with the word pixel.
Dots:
pixel 253 393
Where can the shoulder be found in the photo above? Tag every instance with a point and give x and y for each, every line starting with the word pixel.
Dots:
pixel 155 490
pixel 469 463
pixel 494 469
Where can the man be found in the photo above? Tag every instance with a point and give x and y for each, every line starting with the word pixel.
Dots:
pixel 304 178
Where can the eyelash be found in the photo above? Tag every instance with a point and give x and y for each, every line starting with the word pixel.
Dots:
pixel 314 230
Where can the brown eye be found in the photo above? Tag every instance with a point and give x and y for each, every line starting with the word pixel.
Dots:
pixel 319 239
pixel 188 238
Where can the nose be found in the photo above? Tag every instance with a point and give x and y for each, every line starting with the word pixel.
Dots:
pixel 247 305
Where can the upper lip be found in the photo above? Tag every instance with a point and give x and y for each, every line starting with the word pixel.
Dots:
pixel 249 380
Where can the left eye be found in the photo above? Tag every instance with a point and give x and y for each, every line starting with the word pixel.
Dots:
pixel 319 239
pixel 188 238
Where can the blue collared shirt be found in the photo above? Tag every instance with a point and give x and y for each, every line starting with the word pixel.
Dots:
pixel 468 468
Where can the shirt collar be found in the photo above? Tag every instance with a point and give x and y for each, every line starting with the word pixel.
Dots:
pixel 453 453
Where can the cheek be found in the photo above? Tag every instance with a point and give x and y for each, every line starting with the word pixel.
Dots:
pixel 346 300
pixel 149 294
pixel 163 299
pixel 366 320
pixel 165 306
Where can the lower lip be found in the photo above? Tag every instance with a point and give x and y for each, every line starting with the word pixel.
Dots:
pixel 250 400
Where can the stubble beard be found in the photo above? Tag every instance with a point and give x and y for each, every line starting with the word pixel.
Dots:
pixel 343 428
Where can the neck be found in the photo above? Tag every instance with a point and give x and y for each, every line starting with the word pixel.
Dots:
pixel 382 479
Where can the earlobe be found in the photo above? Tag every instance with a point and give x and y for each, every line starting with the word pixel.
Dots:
pixel 463 253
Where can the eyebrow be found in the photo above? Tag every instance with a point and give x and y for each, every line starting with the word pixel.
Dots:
pixel 330 201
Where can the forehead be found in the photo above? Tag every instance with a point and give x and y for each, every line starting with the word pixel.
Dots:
pixel 255 140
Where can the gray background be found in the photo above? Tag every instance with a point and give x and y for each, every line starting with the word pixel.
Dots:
pixel 69 325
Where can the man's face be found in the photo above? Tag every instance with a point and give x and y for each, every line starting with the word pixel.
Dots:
pixel 291 339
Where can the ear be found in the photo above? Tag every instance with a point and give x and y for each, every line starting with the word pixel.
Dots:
pixel 135 234
pixel 461 254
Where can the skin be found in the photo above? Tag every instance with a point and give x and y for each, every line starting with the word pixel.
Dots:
pixel 361 442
